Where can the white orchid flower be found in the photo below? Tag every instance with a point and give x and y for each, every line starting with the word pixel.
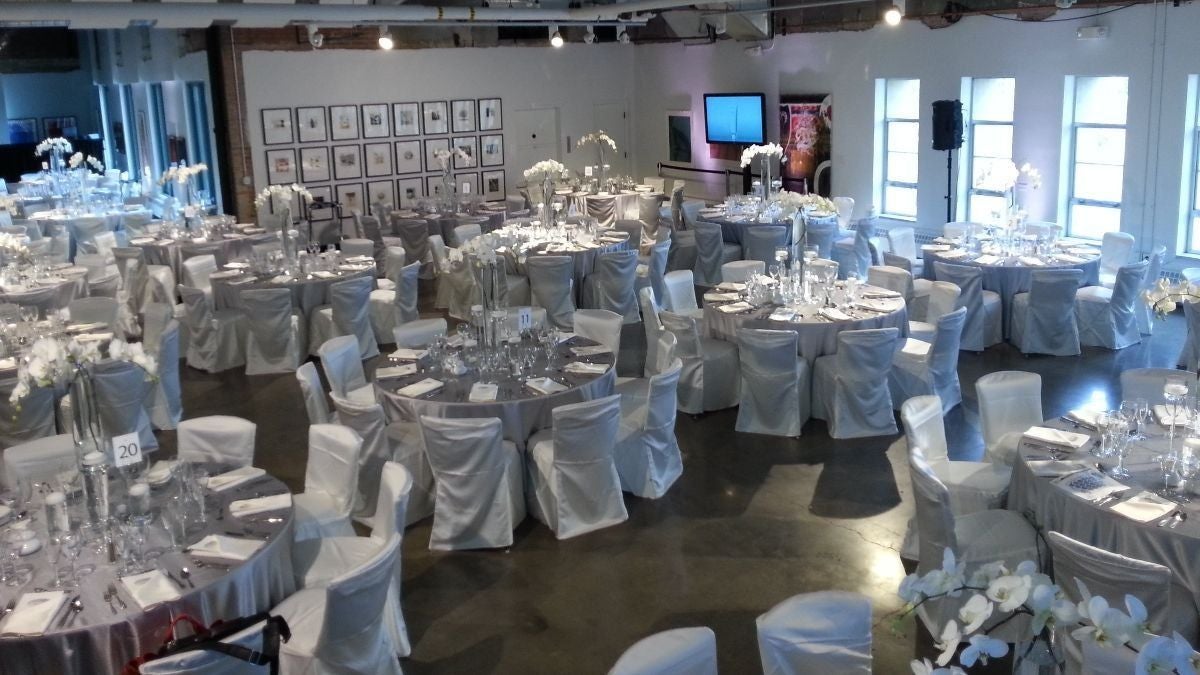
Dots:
pixel 948 642
pixel 20 391
pixel 1138 614
pixel 981 648
pixel 924 667
pixel 1166 655
pixel 974 613
pixel 1010 591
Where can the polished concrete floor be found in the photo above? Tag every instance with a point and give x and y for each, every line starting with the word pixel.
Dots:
pixel 752 521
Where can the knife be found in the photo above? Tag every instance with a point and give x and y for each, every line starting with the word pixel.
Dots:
pixel 12 604
pixel 67 613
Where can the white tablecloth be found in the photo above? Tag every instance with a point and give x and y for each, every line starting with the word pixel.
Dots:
pixel 607 208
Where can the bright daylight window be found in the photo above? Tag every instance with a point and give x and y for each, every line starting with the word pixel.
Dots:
pixel 901 131
pixel 990 136
pixel 1097 156
pixel 1193 212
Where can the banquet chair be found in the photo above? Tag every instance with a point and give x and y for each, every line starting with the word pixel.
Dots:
pixel 651 273
pixel 211 661
pixel 32 419
pixel 920 368
pixel 1107 317
pixel 983 328
pixel 393 261
pixel 83 231
pixel 610 284
pixel 197 270
pixel 155 317
pixel 741 271
pixel 330 483
pixel 135 278
pixel 681 294
pixel 357 246
pixel 274 332
pixel 348 313
pixel 893 279
pixel 135 223
pixel 217 438
pixel 42 458
pixel 709 379
pixel 941 300
pixel 551 285
pixel 845 211
pixel 849 387
pixel 680 651
pixel 821 266
pixel 340 628
pixel 1043 319
pixel 712 251
pixel 1115 250
pixel 656 182
pixel 96 310
pixel 443 287
pixel 759 242
pixel 1010 401
pixel 822 232
pixel 776 389
pixel 1189 355
pixel 903 243
pixel 382 442
pixel 1042 228
pixel 1148 383
pixel 419 333
pixel 465 233
pixel 315 404
pixel 318 561
pixel 215 339
pixel 815 634
pixel 391 308
pixel 414 233
pixel 104 243
pixel 164 402
pixel 342 364
pixel 600 325
pixel 651 323
pixel 1142 310
pixel 1112 576
pixel 682 255
pixel 479 493
pixel 573 486
pixel 103 278
pixel 121 388
pixel 633 231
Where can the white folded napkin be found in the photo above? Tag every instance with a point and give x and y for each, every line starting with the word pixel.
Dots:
pixel 282 279
pixel 1163 414
pixel 483 393
pixel 942 240
pixel 160 472
pixel 914 347
pixel 1072 259
pixel 987 259
pixel 94 337
pixel 242 280
pixel 236 265
pixel 545 385
pixel 1052 468
pixel 735 307
pixel 1058 437
pixel 834 314
pixel 247 507
pixel 395 371
pixel 880 294
pixel 782 315
pixel 583 368
pixel 1084 251
pixel 199 240
pixel 8 363
pixel 1030 261
pixel 406 354
pixel 420 388
pixel 936 247
pixel 721 297
pixel 354 268
pixel 953 255
pixel 50 281
pixel 142 240
pixel 82 327
pixel 562 336
pixel 731 286
pixel 150 588
pixel 361 259
pixel 591 350
pixel 225 548
pixel 1084 417
pixel 225 274
pixel 324 274
pixel 231 479
pixel 254 230
pixel 34 612
pixel 877 305
pixel 1144 507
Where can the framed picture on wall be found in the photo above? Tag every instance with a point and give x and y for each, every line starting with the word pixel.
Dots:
pixel 491 114
pixel 408 157
pixel 433 117
pixel 381 191
pixel 343 122
pixel 378 158
pixel 469 145
pixel 314 165
pixel 493 186
pixel 433 187
pixel 351 198
pixel 491 150
pixel 281 167
pixel 432 145
pixel 22 130
pixel 321 195
pixel 462 116
pixel 347 162
pixel 311 125
pixel 406 119
pixel 409 191
pixel 679 136
pixel 276 126
pixel 375 120
pixel 467 184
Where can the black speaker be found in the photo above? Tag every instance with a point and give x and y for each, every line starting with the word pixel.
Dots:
pixel 947 125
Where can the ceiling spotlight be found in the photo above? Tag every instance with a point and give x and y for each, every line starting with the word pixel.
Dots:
pixel 315 38
pixel 622 36
pixel 385 38
pixel 556 39
pixel 893 15
pixel 590 36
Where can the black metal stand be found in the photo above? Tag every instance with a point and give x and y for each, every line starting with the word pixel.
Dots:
pixel 949 186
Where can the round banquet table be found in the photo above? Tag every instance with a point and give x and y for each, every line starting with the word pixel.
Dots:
pixel 101 641
pixel 52 221
pixel 443 224
pixel 172 252
pixel 308 293
pixel 521 410
pixel 1053 506
pixel 69 283
pixel 608 208
pixel 734 227
pixel 818 335
pixel 583 255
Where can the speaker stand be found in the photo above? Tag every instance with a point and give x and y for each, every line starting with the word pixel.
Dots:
pixel 949 186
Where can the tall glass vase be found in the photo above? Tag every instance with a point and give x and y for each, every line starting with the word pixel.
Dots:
pixel 286 240
pixel 766 177
pixel 448 202
pixel 548 201
pixel 87 432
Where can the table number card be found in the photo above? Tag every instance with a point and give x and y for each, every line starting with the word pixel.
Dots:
pixel 587 171
pixel 524 319
pixel 127 449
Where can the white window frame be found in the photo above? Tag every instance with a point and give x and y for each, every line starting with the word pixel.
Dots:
pixel 884 183
pixel 1072 162
pixel 972 125
pixel 1191 168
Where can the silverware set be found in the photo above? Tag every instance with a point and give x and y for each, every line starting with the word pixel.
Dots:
pixel 74 607
pixel 1173 519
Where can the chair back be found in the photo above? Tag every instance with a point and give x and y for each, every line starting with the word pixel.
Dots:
pixel 600 325
pixel 947 340
pixel 271 336
pixel 689 212
pixel 632 229
pixel 943 299
pixel 32 419
pixel 903 242
pixel 925 428
pixel 466 232
pixel 709 253
pixel 687 335
pixel 394 260
pixel 314 395
pixel 612 283
pixel 680 291
pixel 760 241
pixel 865 356
pixel 217 438
pixel 1148 383
pixel 342 362
pixel 935 519
pixel 1009 401
pixel 96 265
pixel 95 310
pixel 584 436
pixel 104 243
pixel 845 211
pixel 892 260
pixel 414 236
pixel 770 382
pixel 198 269
pixel 891 278
pixel 366 418
pixel 1115 250
pixel 969 280
pixel 651 322
pixel 121 388
pixel 334 452
pixel 1126 292
pixel 662 406
pixel 682 651
pixel 1051 318
pixel 468 461
pixel 648 208
pixel 418 334
pixel 406 292
pixel 817 633
pixel 350 300
pixel 391 511
pixel 354 601
pixel 656 267
pixel 740 271
pixel 166 350
pixel 822 232
pixel 550 284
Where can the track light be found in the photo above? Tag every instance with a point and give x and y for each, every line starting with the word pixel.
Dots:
pixel 385 38
pixel 556 39
pixel 590 36
pixel 315 38
pixel 622 36
pixel 893 15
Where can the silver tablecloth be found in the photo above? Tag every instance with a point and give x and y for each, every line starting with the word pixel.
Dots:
pixel 102 642
pixel 307 294
pixel 607 209
pixel 173 253
pixel 74 286
pixel 733 231
pixel 585 261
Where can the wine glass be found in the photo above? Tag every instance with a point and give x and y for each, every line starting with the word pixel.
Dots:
pixel 72 544
pixel 1128 410
pixel 1143 416
pixel 1119 438
pixel 1174 393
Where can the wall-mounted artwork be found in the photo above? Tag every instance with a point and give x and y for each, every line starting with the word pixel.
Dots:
pixel 314 165
pixel 467 184
pixel 276 126
pixel 311 125
pixel 433 187
pixel 491 114
pixel 406 119
pixel 22 130
pixel 281 167
pixel 321 195
pixel 433 118
pixel 410 191
pixel 804 124
pixel 378 159
pixel 408 157
pixel 491 150
pixel 493 186
pixel 469 145
pixel 432 145
pixel 347 162
pixel 351 198
pixel 462 115
pixel 343 122
pixel 381 192
pixel 375 120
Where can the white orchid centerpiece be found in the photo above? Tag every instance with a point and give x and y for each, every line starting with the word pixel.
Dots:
pixel 53 362
pixel 547 169
pixel 765 151
pixel 598 138
pixel 281 195
pixel 182 174
pixel 56 145
pixel 1003 176
pixel 793 202
pixel 78 160
pixel 443 157
pixel 13 246
pixel 1164 297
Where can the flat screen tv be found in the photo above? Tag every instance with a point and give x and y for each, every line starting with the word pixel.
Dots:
pixel 735 118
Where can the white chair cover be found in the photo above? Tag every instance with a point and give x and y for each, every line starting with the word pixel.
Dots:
pixel 414 234
pixel 760 241
pixel 920 368
pixel 465 233
pixel 1115 251
pixel 655 269
pixel 209 662
pixel 573 483
pixel 845 210
pixel 941 299
pixel 274 335
pixel 84 229
pixel 197 270
pixel 135 278
pixel 1189 356
pixel 647 453
pixel 610 285
pixel 165 400
pixel 314 395
pixel 354 246
pixel 1010 401
pixel 681 294
pixel 344 370
pixel 849 387
pixel 891 278
pixel 740 271
pixel 775 383
pixel 33 419
pixel 1043 320
pixel 393 261
pixel 418 333
pixel 96 310
pixel 349 313
pixel 903 242
pixel 1107 317
pixel 815 634
pixel 215 339
pixel 682 651
pixel 330 483
pixel 652 324
pixel 711 253
pixel 1148 383
pixel 600 325
pixel 104 243
pixel 709 379
pixel 1142 310
pixel 121 388
pixel 983 328
pixel 39 459
pixel 821 233
pixel 479 488
pixel 217 438
pixel 550 282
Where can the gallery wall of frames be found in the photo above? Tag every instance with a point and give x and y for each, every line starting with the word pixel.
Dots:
pixel 367 153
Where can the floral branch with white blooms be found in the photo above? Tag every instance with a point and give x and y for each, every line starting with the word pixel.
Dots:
pixel 767 151
pixel 598 137
pixel 14 246
pixel 547 169
pixel 1004 176
pixel 282 195
pixel 443 157
pixel 51 362
pixel 59 145
pixel 1164 297
pixel 77 160
pixel 791 202
pixel 181 174
pixel 1004 593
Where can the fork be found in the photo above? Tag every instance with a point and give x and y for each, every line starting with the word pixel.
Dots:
pixel 108 598
pixel 112 588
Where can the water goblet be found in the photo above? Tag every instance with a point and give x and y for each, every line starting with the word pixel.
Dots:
pixel 1119 432
pixel 1143 417
pixel 54 551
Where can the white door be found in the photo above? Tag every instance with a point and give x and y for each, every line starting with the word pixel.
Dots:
pixel 612 119
pixel 534 137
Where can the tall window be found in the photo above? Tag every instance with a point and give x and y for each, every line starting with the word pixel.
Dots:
pixel 1191 168
pixel 991 141
pixel 197 101
pixel 901 131
pixel 1097 156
